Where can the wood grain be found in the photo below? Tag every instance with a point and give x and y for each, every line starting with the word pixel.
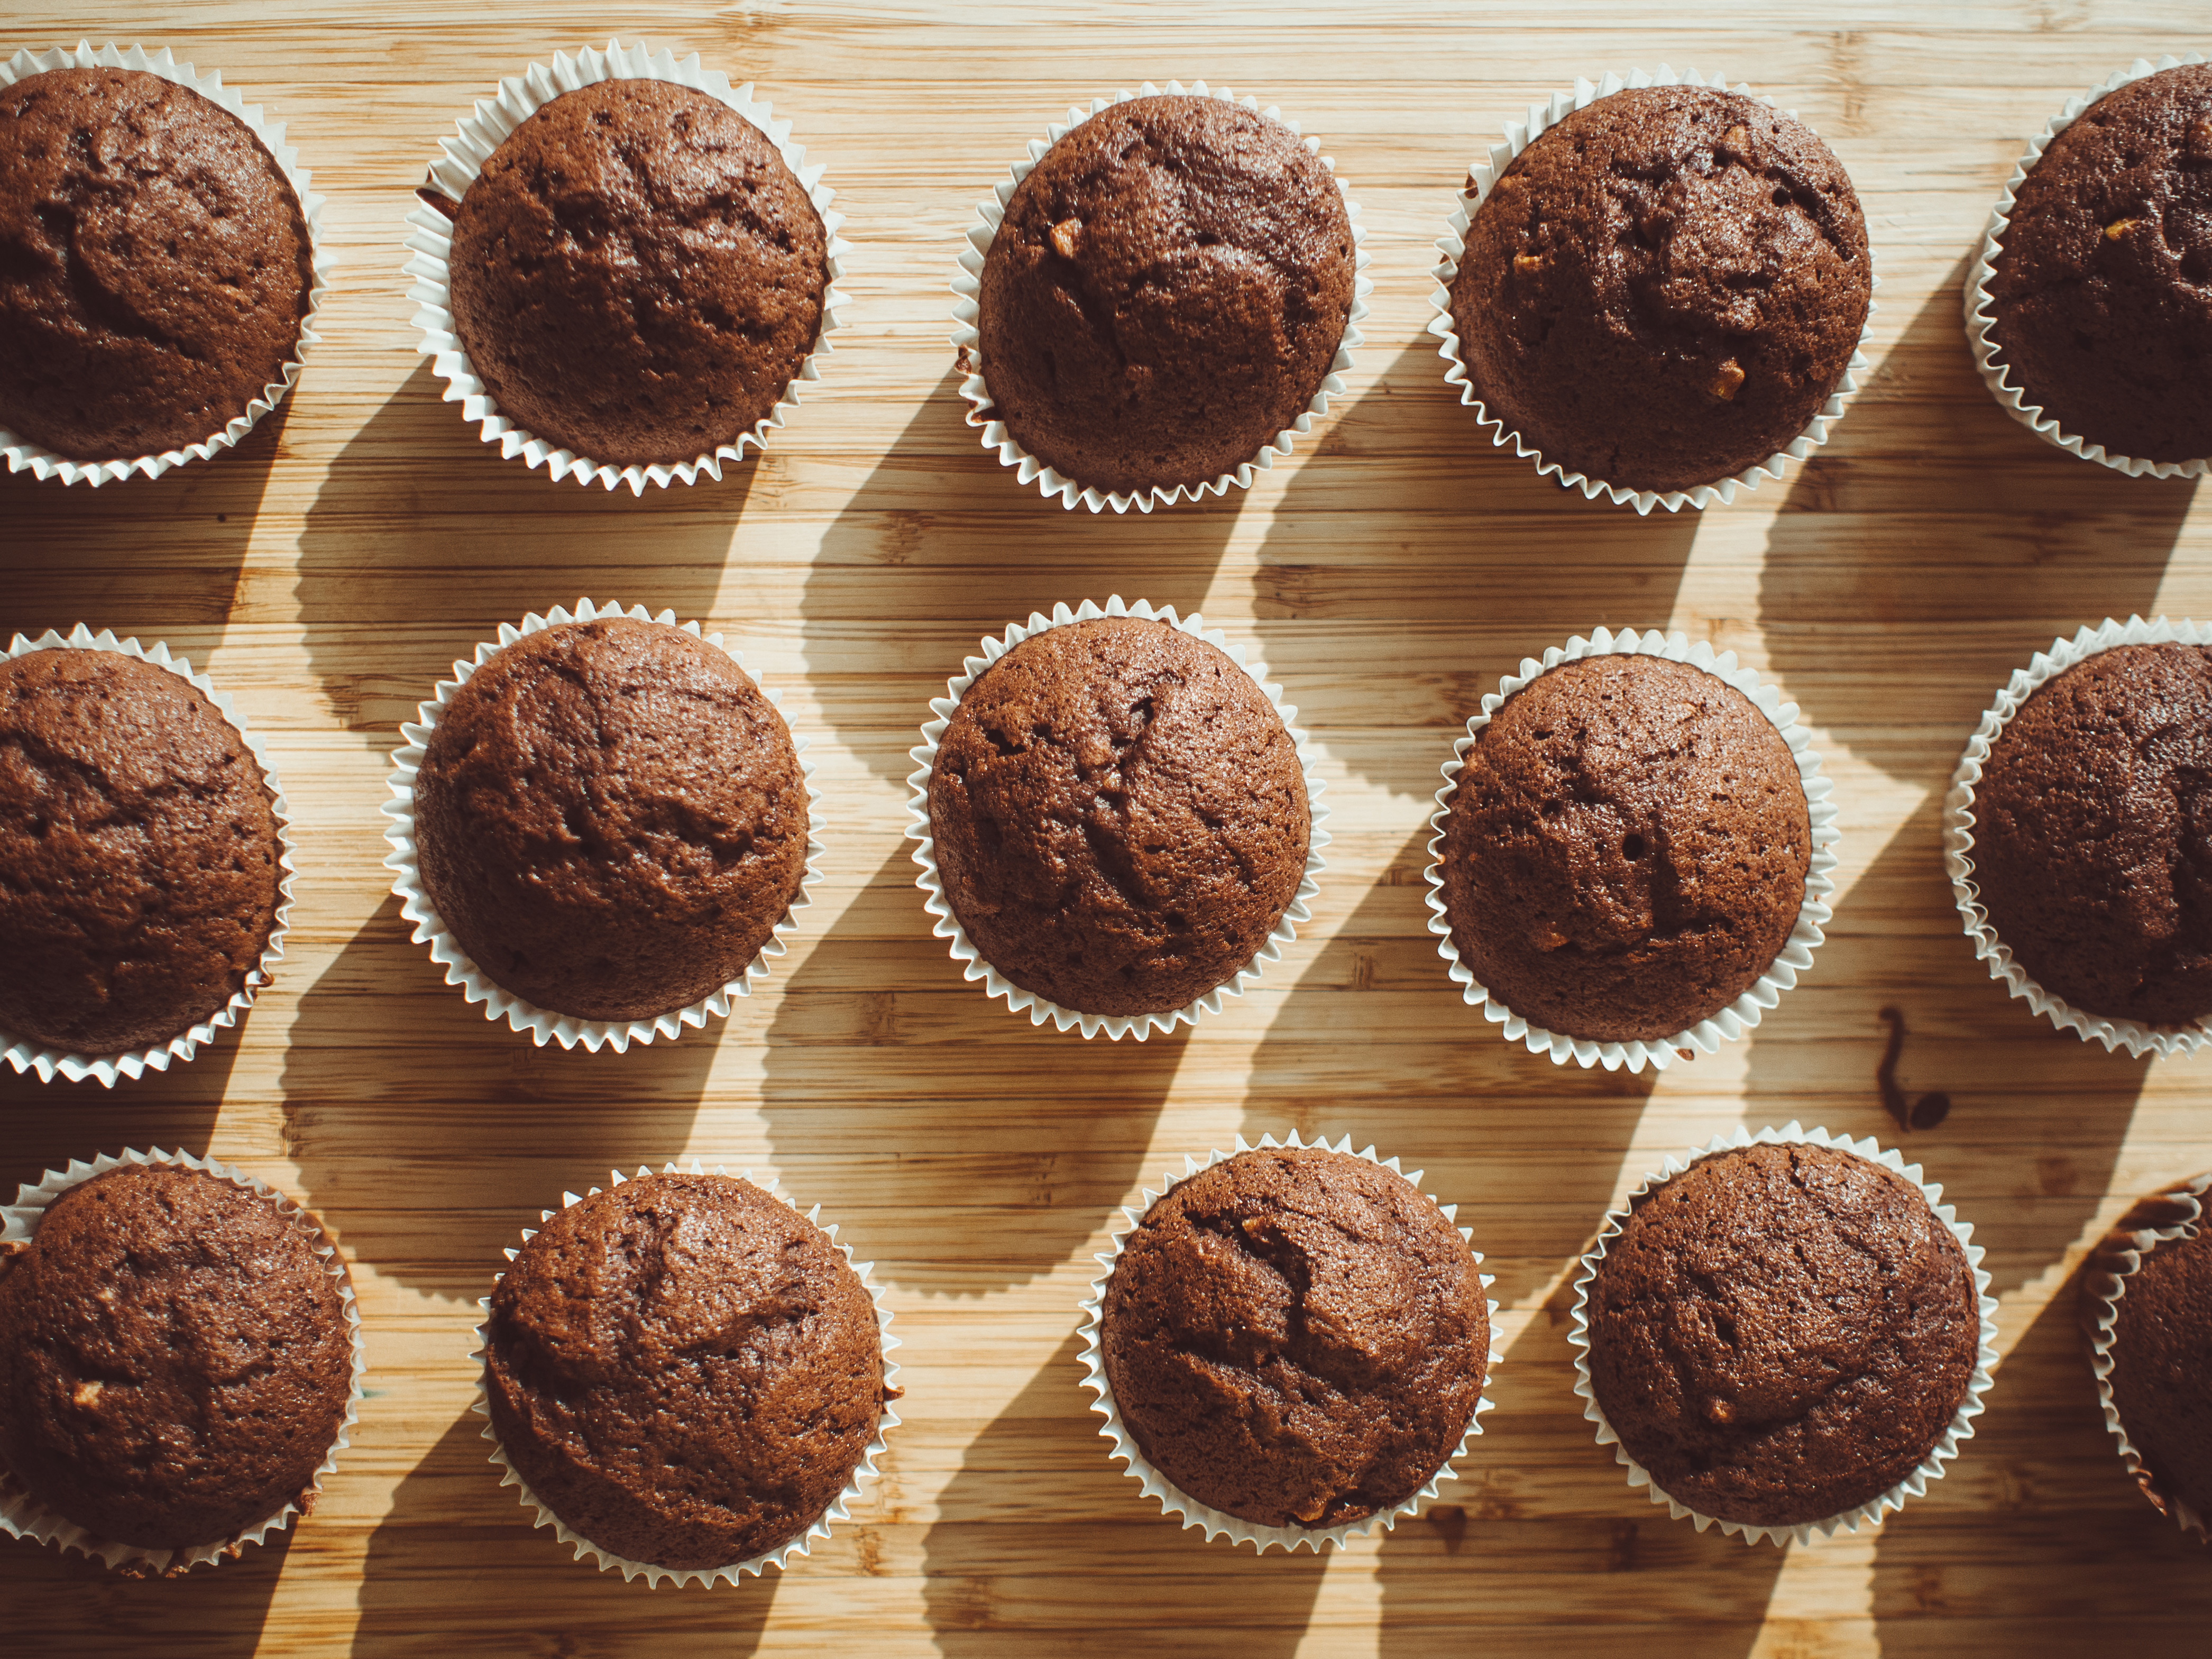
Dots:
pixel 331 570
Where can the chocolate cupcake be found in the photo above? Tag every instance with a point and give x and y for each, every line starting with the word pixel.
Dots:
pixel 607 821
pixel 635 276
pixel 1160 301
pixel 1785 1336
pixel 2070 841
pixel 178 1359
pixel 1660 295
pixel 1632 854
pixel 160 264
pixel 1291 1343
pixel 2147 1309
pixel 142 859
pixel 2091 308
pixel 686 1373
pixel 1115 820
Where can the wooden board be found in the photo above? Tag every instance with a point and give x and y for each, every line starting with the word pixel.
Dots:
pixel 330 571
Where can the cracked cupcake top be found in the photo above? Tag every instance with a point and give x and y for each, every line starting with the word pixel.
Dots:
pixel 154 265
pixel 1663 288
pixel 2093 834
pixel 1166 293
pixel 1296 1337
pixel 636 275
pixel 1119 814
pixel 1782 1334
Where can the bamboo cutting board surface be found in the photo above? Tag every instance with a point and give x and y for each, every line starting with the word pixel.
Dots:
pixel 333 569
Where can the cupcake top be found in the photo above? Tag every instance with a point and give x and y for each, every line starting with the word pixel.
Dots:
pixel 2102 284
pixel 1662 289
pixel 1120 817
pixel 2161 1377
pixel 1296 1337
pixel 174 1358
pixel 684 1369
pixel 610 819
pixel 636 275
pixel 138 853
pixel 2088 854
pixel 1626 850
pixel 155 266
pixel 1166 293
pixel 1782 1334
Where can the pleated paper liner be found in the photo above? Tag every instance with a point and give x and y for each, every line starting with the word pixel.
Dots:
pixel 430 238
pixel 1040 1009
pixel 28 1056
pixel 1173 1500
pixel 22 455
pixel 544 1025
pixel 968 288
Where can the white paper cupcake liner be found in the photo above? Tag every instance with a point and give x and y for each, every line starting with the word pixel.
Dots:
pixel 886 1420
pixel 2106 1282
pixel 1961 1426
pixel 1451 247
pixel 1173 1500
pixel 1796 955
pixel 22 455
pixel 1959 838
pixel 968 289
pixel 430 240
pixel 995 984
pixel 28 1056
pixel 23 1515
pixel 1981 316
pixel 544 1025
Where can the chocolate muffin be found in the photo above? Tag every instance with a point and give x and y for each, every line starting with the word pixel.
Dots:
pixel 1296 1337
pixel 610 819
pixel 174 1358
pixel 2102 282
pixel 1782 1334
pixel 154 265
pixel 684 1369
pixel 2090 835
pixel 1166 293
pixel 1120 817
pixel 138 853
pixel 1662 289
pixel 2161 1376
pixel 1626 850
pixel 636 275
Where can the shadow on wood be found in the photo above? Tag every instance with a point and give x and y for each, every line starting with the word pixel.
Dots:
pixel 211 1613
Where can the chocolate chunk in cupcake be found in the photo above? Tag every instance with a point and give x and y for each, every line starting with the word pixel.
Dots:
pixel 636 275
pixel 2093 835
pixel 1296 1337
pixel 1626 850
pixel 1781 1334
pixel 2102 283
pixel 175 1359
pixel 1120 817
pixel 1663 288
pixel 138 853
pixel 610 819
pixel 1166 293
pixel 684 1369
pixel 154 265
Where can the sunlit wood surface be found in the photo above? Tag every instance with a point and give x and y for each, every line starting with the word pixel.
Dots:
pixel 330 570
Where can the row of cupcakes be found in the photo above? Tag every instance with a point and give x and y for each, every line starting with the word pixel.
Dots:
pixel 1785 1334
pixel 1655 288
pixel 605 831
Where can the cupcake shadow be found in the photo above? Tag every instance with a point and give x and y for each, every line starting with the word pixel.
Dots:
pixel 65 1604
pixel 1035 1491
pixel 429 1136
pixel 453 1529
pixel 971 1151
pixel 44 1125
